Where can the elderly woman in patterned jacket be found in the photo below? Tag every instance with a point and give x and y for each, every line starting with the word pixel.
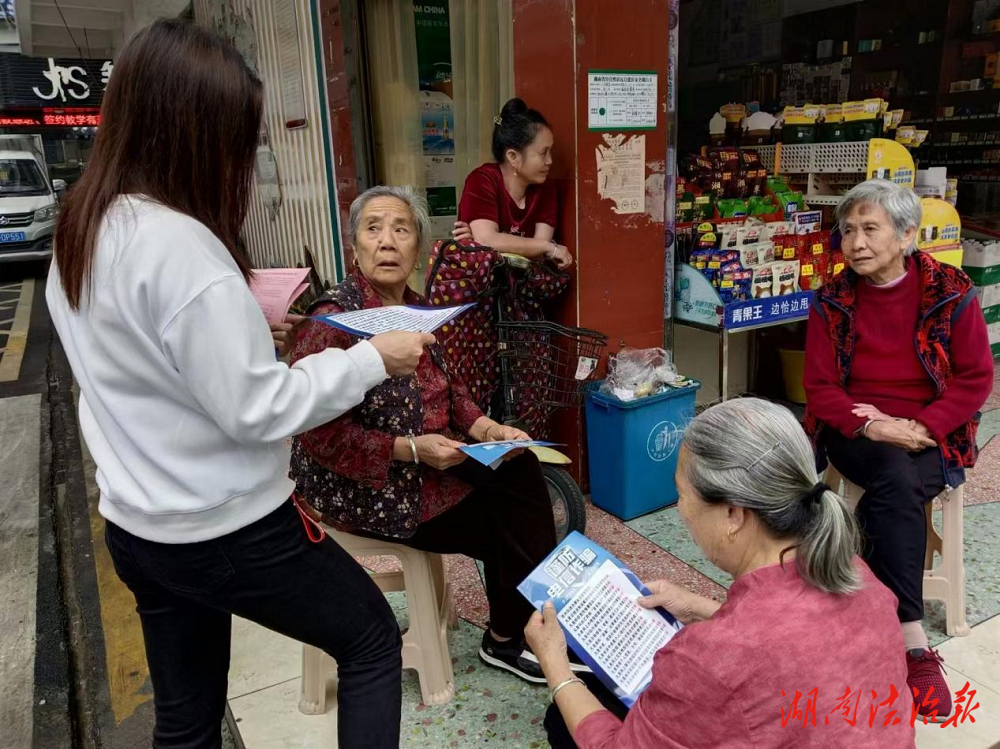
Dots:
pixel 391 468
pixel 897 367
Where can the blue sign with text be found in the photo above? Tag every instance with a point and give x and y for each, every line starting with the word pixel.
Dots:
pixel 767 311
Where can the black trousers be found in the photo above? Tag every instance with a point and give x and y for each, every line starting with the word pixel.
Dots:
pixel 897 485
pixel 270 573
pixel 506 523
pixel 555 725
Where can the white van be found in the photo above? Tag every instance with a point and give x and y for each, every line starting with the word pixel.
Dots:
pixel 28 201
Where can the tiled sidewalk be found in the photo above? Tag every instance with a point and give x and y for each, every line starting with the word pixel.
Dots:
pixel 492 708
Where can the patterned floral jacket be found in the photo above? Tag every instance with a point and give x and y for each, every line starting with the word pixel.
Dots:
pixel 945 293
pixel 344 469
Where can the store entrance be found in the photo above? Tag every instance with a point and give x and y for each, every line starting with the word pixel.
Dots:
pixel 434 74
pixel 786 107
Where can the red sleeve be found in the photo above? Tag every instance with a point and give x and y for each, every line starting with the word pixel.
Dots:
pixel 464 411
pixel 480 198
pixel 971 374
pixel 548 204
pixel 828 400
pixel 671 712
pixel 342 445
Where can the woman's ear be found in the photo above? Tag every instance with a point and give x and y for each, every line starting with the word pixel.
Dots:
pixel 513 158
pixel 909 237
pixel 737 518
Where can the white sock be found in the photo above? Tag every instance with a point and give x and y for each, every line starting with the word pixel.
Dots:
pixel 914 636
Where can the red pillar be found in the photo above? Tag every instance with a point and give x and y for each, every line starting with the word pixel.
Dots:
pixel 618 285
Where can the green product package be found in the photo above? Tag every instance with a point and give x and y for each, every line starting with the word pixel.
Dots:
pixel 798 134
pixel 833 132
pixel 761 205
pixel 790 203
pixel 703 208
pixel 862 130
pixel 732 208
pixel 777 185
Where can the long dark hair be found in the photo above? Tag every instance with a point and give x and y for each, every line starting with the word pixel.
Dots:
pixel 515 127
pixel 179 124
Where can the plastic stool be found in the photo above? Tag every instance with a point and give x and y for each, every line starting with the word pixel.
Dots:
pixel 431 614
pixel 946 582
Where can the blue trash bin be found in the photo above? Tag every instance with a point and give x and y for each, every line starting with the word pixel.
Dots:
pixel 633 448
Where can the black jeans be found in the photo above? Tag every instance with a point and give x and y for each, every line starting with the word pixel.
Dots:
pixel 270 573
pixel 555 725
pixel 505 522
pixel 897 485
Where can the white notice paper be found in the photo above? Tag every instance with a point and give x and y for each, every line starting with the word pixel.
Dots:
pixel 621 100
pixel 370 322
pixel 620 635
pixel 621 172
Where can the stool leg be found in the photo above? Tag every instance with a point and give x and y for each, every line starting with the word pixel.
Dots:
pixel 952 561
pixel 446 604
pixel 426 641
pixel 312 698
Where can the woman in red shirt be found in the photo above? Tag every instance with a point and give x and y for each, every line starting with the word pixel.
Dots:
pixel 806 628
pixel 510 206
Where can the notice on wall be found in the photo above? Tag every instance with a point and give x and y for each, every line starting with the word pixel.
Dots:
pixel 293 100
pixel 621 172
pixel 621 100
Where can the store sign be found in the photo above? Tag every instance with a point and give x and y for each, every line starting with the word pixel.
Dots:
pixel 40 82
pixel 69 117
pixel 767 311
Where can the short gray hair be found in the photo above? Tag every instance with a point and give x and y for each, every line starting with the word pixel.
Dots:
pixel 753 454
pixel 901 203
pixel 414 201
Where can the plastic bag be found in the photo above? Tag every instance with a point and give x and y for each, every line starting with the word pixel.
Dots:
pixel 638 373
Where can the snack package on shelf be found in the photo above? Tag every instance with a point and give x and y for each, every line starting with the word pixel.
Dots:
pixel 785 277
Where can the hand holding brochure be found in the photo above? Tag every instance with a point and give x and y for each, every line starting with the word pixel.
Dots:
pixel 595 599
pixel 492 453
pixel 370 322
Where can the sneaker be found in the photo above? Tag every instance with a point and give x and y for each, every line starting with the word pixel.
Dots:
pixel 511 655
pixel 576 665
pixel 925 670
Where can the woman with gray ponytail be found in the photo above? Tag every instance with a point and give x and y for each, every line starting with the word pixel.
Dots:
pixel 805 619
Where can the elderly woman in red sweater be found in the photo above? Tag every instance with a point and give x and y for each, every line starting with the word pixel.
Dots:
pixel 806 624
pixel 897 367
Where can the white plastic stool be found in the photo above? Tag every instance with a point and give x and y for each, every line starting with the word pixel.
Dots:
pixel 431 614
pixel 946 582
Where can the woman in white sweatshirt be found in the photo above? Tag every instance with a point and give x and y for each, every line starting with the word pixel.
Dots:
pixel 185 408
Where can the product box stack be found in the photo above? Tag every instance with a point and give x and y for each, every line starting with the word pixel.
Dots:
pixel 981 260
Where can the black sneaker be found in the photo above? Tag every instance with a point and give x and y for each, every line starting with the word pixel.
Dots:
pixel 511 655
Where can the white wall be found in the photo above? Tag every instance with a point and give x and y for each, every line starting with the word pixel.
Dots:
pixel 305 218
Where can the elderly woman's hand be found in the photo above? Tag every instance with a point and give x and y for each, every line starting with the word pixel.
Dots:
pixel 867 411
pixel 547 641
pixel 682 603
pixel 438 451
pixel 504 433
pixel 901 434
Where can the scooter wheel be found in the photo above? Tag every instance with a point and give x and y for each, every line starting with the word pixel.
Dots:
pixel 568 505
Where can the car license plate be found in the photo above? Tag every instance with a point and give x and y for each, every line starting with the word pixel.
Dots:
pixel 11 236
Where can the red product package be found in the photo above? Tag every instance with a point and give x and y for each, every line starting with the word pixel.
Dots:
pixel 813 272
pixel 837 264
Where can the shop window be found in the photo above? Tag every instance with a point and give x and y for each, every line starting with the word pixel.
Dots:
pixel 438 72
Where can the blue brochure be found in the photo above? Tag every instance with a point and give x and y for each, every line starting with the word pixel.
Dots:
pixel 365 323
pixel 595 599
pixel 492 453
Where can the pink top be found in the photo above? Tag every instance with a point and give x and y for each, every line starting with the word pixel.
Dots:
pixel 731 681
